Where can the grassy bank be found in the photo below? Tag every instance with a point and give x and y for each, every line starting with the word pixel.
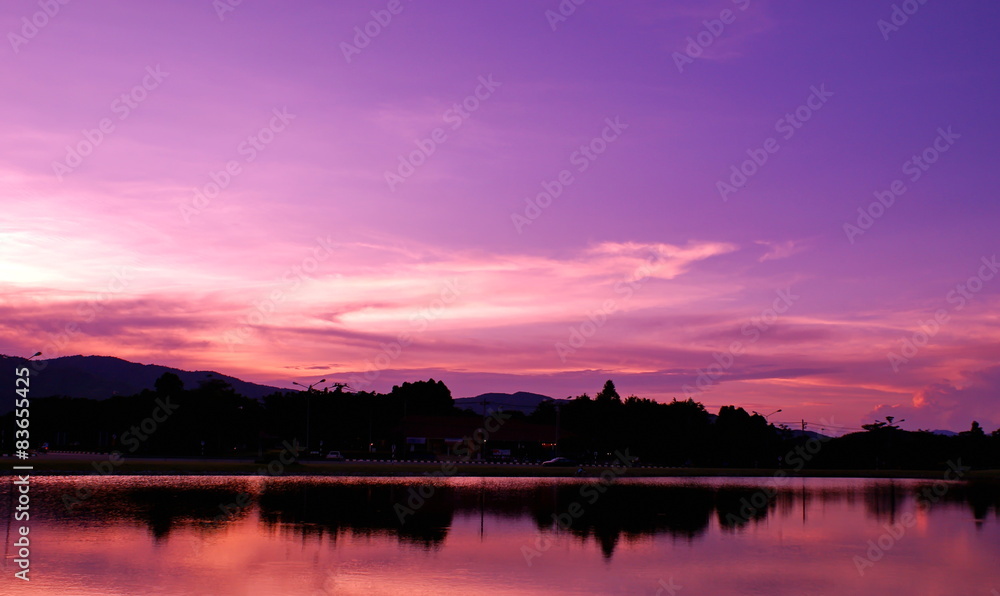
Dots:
pixel 55 465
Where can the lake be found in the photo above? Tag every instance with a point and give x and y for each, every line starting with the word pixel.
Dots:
pixel 313 536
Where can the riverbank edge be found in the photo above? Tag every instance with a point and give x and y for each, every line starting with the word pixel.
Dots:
pixel 100 465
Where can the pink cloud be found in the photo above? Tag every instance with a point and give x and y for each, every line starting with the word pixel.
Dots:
pixel 952 404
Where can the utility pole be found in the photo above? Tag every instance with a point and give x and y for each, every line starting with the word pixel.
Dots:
pixel 803 425
pixel 483 446
pixel 309 391
pixel 558 415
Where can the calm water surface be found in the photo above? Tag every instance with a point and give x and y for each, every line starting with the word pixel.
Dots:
pixel 314 536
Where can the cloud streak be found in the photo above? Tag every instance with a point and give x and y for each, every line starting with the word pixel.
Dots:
pixel 310 251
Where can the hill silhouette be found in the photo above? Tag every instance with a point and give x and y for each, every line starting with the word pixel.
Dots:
pixel 521 401
pixel 100 377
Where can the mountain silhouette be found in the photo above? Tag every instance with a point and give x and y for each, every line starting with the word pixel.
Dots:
pixel 522 401
pixel 100 377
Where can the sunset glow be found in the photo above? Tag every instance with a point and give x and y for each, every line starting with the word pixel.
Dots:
pixel 504 201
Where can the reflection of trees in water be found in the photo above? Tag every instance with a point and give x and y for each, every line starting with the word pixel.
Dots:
pixel 334 509
pixel 629 511
pixel 625 510
pixel 884 501
pixel 981 498
pixel 738 506
pixel 155 505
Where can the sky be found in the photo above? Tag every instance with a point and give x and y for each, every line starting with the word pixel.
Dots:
pixel 772 204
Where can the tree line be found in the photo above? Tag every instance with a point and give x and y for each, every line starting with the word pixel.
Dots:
pixel 213 420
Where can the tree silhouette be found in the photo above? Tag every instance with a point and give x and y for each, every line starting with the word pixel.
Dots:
pixel 430 398
pixel 975 431
pixel 609 393
pixel 880 425
pixel 169 384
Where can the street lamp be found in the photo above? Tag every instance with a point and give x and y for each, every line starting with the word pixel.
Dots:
pixel 309 387
pixel 765 416
pixel 3 431
pixel 309 390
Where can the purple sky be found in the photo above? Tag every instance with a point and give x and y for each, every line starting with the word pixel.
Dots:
pixel 335 247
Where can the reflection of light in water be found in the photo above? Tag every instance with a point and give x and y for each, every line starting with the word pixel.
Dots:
pixel 109 546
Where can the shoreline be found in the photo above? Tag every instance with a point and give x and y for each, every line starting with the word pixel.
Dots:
pixel 93 464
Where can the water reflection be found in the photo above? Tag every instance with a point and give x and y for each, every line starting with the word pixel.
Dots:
pixel 369 536
pixel 422 511
pixel 363 509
